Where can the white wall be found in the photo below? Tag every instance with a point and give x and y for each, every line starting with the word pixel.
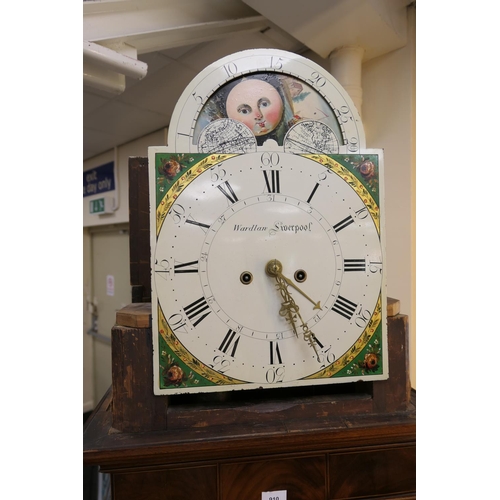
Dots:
pixel 88 375
pixel 389 121
pixel 121 155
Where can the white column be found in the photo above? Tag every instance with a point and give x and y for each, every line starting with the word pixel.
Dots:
pixel 345 66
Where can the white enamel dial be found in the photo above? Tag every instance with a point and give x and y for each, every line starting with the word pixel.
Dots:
pixel 218 310
pixel 248 86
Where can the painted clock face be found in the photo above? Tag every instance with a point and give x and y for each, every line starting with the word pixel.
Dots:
pixel 269 92
pixel 267 270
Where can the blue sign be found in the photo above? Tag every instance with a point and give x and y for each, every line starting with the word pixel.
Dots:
pixel 99 180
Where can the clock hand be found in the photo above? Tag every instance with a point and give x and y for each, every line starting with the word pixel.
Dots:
pixel 309 337
pixel 274 267
pixel 317 305
pixel 289 308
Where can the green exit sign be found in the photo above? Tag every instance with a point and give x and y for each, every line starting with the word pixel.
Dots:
pixel 101 205
pixel 97 206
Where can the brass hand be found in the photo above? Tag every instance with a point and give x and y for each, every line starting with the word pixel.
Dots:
pixel 289 308
pixel 274 267
pixel 317 305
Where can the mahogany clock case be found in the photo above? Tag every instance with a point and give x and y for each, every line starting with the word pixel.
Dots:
pixel 335 442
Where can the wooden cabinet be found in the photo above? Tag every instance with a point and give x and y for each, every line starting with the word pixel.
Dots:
pixel 329 457
pixel 304 478
pixel 384 470
pixel 189 483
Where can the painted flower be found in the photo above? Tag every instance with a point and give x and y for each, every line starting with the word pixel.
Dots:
pixel 367 169
pixel 170 169
pixel 175 374
pixel 371 362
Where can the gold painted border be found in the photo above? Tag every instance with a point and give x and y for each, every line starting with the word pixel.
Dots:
pixel 354 182
pixel 186 357
pixel 182 182
pixel 356 348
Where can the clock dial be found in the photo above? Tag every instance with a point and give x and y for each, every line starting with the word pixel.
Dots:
pixel 221 319
pixel 269 91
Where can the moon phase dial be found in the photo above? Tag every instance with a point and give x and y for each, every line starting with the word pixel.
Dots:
pixel 269 92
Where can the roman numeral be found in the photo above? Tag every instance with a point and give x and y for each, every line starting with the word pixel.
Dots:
pixel 344 307
pixel 343 223
pixel 274 352
pixel 312 194
pixel 229 194
pixel 272 181
pixel 321 346
pixel 230 341
pixel 196 223
pixel 354 265
pixel 196 310
pixel 186 267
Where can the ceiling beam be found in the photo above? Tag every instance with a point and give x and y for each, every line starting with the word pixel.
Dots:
pixel 378 26
pixel 154 25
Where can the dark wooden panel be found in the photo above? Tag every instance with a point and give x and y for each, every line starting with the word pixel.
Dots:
pixel 140 486
pixel 394 394
pixel 370 473
pixel 140 248
pixel 302 478
pixel 198 483
pixel 135 408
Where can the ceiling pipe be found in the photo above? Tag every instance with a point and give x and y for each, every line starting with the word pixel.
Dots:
pixel 115 61
pixel 345 66
pixel 100 78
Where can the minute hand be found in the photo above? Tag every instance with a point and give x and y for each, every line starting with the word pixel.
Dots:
pixel 289 282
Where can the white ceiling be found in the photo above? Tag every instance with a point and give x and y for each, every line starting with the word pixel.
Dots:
pixel 179 38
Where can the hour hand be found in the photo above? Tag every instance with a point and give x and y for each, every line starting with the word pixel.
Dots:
pixel 274 268
pixel 289 309
pixel 317 305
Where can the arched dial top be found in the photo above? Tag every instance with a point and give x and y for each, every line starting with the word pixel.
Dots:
pixel 269 91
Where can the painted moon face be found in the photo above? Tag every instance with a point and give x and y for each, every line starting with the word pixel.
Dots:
pixel 257 104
